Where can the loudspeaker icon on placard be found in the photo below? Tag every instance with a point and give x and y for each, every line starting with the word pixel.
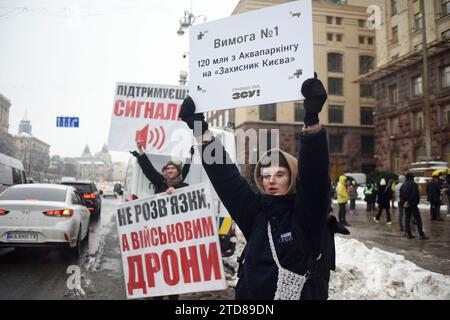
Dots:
pixel 157 137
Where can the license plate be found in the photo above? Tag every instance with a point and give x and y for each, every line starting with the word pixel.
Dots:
pixel 22 236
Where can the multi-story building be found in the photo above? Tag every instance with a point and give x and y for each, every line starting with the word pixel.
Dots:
pixel 34 153
pixel 344 49
pixel 6 140
pixel 4 113
pixel 398 84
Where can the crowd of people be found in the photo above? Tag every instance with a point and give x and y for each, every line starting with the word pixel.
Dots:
pixel 381 197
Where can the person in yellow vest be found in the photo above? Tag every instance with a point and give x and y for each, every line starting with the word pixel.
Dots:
pixel 342 197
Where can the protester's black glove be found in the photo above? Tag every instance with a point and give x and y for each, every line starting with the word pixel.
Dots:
pixel 135 153
pixel 315 97
pixel 188 115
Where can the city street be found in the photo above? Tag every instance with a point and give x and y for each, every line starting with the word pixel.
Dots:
pixel 42 273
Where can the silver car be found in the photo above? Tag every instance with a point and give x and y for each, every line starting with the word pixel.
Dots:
pixel 43 215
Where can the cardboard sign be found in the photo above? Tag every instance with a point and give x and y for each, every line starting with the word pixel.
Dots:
pixel 149 113
pixel 254 58
pixel 170 244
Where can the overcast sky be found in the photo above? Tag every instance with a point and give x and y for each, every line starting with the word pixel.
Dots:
pixel 63 58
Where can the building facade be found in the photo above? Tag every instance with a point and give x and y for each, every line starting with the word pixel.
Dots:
pixel 398 83
pixel 34 153
pixel 344 49
pixel 7 146
pixel 4 113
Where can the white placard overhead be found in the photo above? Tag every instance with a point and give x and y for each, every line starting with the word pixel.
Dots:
pixel 170 244
pixel 254 58
pixel 149 113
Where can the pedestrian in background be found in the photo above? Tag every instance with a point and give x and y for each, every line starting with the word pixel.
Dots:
pixel 434 197
pixel 368 196
pixel 342 197
pixel 401 181
pixel 392 183
pixel 384 196
pixel 410 197
pixel 353 197
pixel 448 192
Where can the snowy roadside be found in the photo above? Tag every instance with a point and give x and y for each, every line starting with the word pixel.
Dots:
pixel 373 274
pixel 370 274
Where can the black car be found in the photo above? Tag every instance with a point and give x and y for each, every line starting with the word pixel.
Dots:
pixel 90 194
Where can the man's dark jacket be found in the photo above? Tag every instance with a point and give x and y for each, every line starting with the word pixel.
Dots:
pixel 434 191
pixel 384 195
pixel 409 192
pixel 307 209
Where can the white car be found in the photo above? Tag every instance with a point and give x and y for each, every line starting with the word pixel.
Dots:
pixel 43 215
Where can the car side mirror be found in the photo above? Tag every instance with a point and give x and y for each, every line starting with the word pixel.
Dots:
pixel 100 192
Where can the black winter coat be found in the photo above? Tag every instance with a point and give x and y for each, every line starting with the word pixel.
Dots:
pixel 434 191
pixel 409 192
pixel 156 178
pixel 308 208
pixel 384 196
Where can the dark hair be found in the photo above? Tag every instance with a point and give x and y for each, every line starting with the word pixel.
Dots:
pixel 274 158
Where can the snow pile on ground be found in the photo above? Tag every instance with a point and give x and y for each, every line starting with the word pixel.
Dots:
pixel 370 274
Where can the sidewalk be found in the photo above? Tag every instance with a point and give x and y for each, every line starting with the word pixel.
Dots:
pixel 433 254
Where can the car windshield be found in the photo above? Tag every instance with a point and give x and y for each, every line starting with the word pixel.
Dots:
pixel 36 194
pixel 82 188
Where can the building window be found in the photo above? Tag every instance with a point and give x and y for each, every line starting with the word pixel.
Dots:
pixel 395 34
pixel 362 23
pixel 393 94
pixel 366 91
pixel 393 7
pixel 336 86
pixel 370 40
pixel 215 122
pixel 447 154
pixel 336 144
pixel 339 37
pixel 445 7
pixel 418 21
pixel 446 34
pixel 418 46
pixel 368 145
pixel 367 116
pixel 299 110
pixel 336 114
pixel 365 64
pixel 268 112
pixel 417 86
pixel 420 154
pixel 335 62
pixel 227 117
pixel 393 126
pixel 362 39
pixel 395 162
pixel 444 115
pixel 329 20
pixel 221 121
pixel 445 77
pixel 329 36
pixel 338 21
pixel 418 121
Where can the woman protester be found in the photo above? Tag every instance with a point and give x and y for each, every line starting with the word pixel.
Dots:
pixel 290 235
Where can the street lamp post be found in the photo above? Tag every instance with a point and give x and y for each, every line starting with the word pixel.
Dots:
pixel 185 22
pixel 426 86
